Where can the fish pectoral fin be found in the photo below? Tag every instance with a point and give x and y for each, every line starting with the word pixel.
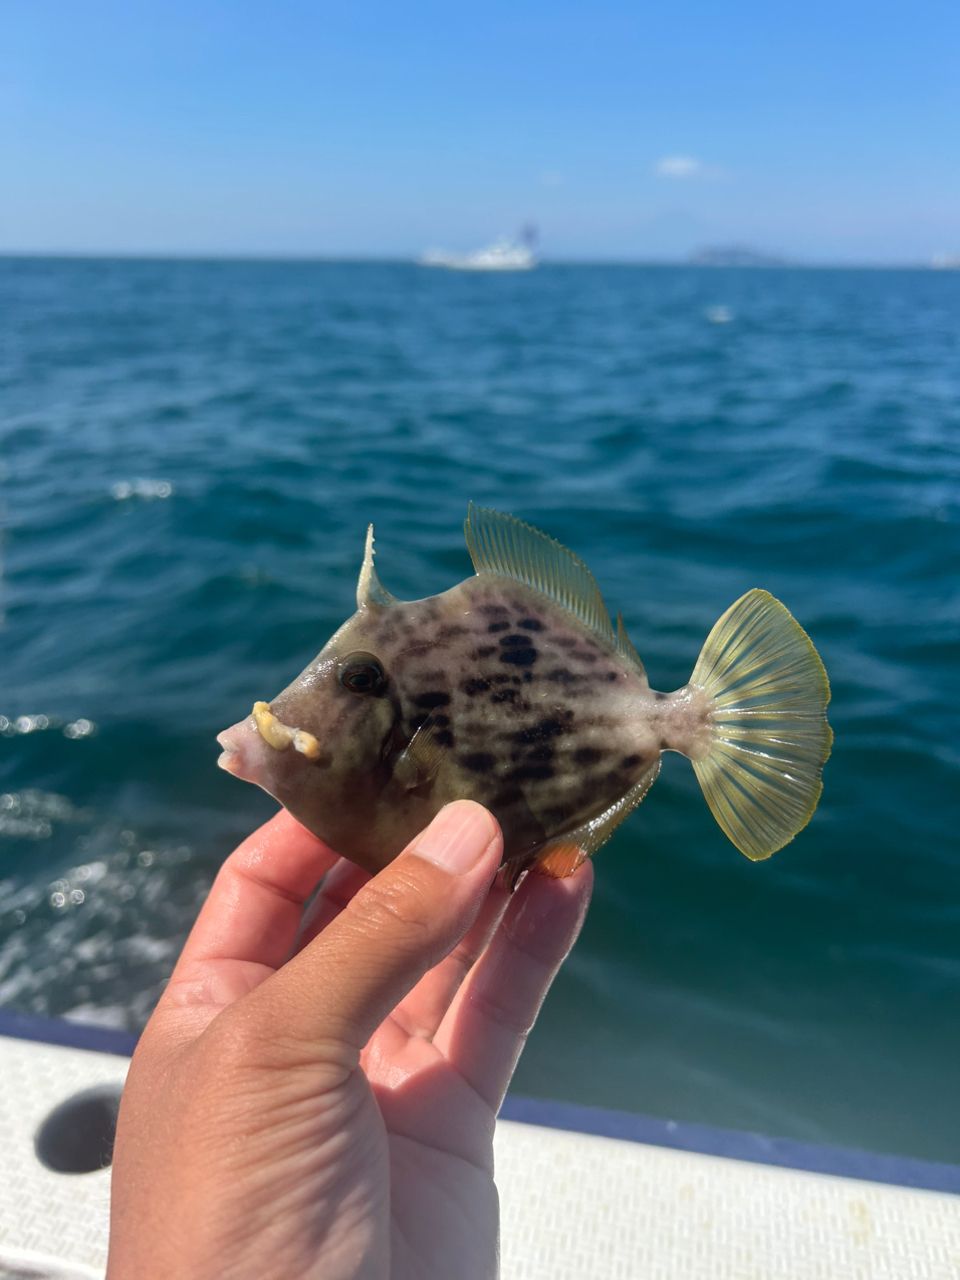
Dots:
pixel 562 856
pixel 420 760
pixel 508 548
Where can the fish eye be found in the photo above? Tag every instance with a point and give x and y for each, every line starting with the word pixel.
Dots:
pixel 361 673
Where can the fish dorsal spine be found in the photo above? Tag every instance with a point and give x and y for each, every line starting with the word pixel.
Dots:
pixel 508 548
pixel 370 590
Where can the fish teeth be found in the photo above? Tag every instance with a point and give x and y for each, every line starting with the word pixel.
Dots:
pixel 306 744
pixel 273 731
pixel 278 735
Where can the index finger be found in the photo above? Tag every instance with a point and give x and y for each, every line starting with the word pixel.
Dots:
pixel 253 910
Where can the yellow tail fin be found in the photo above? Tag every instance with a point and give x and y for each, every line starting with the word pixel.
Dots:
pixel 769 689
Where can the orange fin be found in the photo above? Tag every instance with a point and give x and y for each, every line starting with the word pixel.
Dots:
pixel 561 856
pixel 561 860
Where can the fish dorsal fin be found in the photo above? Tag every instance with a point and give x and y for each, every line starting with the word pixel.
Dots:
pixel 507 547
pixel 370 591
pixel 625 645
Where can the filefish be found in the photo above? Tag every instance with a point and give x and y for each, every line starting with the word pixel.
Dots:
pixel 515 689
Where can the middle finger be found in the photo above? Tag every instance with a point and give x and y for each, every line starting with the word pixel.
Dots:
pixel 422 1011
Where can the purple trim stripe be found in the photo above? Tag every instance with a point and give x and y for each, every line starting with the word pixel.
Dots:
pixel 903 1171
pixel 73 1035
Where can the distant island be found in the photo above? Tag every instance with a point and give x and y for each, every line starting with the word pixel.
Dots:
pixel 735 255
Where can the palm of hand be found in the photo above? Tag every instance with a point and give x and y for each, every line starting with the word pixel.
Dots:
pixel 437 1143
pixel 432 1210
pixel 331 1112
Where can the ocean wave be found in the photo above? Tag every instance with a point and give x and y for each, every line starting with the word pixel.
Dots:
pixel 11 726
pixel 124 490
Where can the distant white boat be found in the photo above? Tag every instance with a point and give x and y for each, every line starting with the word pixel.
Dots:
pixel 718 315
pixel 503 255
pixel 946 262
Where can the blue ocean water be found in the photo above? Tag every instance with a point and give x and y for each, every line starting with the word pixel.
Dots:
pixel 191 452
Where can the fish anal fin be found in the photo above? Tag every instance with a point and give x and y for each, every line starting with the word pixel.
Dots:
pixel 561 859
pixel 562 856
pixel 506 547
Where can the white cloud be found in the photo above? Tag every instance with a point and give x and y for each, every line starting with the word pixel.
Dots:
pixel 680 167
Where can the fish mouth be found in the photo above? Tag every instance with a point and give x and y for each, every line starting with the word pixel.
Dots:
pixel 251 747
pixel 230 758
pixel 245 754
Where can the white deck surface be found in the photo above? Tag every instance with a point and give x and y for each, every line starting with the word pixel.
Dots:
pixel 573 1206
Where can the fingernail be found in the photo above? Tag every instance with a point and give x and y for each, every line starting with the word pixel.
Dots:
pixel 457 838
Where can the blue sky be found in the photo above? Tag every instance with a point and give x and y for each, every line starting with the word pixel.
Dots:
pixel 824 130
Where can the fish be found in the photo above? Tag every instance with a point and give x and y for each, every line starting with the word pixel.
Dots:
pixel 515 689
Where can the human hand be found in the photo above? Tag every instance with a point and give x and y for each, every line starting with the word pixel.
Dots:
pixel 331 1112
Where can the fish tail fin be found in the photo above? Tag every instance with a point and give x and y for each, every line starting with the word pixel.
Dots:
pixel 768 738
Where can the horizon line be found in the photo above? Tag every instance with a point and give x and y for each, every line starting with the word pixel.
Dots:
pixel 283 256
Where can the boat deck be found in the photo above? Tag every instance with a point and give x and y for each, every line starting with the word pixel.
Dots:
pixel 574 1204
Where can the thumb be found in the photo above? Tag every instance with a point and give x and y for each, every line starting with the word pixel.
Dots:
pixel 399 925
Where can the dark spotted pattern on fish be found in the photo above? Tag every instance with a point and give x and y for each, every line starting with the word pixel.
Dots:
pixel 479 761
pixel 432 698
pixel 506 695
pixel 501 695
pixel 531 755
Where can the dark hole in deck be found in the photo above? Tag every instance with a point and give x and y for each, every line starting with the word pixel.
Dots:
pixel 77 1136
